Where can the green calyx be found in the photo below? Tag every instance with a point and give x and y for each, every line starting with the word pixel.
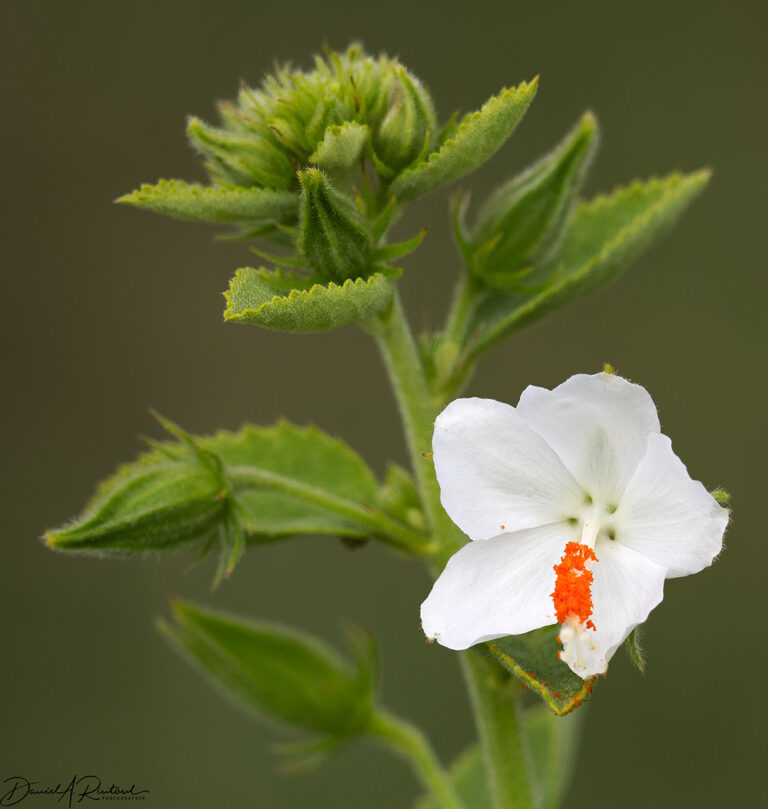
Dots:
pixel 408 130
pixel 333 238
pixel 524 219
pixel 285 676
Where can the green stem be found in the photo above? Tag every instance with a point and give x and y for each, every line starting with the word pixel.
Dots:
pixel 501 737
pixel 495 711
pixel 411 743
pixel 388 530
pixel 409 382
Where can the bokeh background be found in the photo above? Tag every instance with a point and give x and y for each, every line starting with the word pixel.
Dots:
pixel 107 311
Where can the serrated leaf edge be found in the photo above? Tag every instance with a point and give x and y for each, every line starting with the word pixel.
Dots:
pixel 523 89
pixel 316 289
pixel 148 191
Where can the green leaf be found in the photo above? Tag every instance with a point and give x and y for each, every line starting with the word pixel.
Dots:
pixel 634 650
pixel 552 742
pixel 281 674
pixel 290 480
pixel 307 457
pixel 533 658
pixel 602 238
pixel 473 141
pixel 470 781
pixel 198 203
pixel 166 497
pixel 524 219
pixel 253 298
pixel 341 147
pixel 259 484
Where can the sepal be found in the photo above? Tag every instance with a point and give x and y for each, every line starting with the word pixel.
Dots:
pixel 635 650
pixel 471 143
pixel 341 147
pixel 284 676
pixel 240 158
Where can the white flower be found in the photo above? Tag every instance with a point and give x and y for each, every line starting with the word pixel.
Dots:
pixel 580 479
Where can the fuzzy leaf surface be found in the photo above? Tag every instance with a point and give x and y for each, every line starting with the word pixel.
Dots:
pixel 475 139
pixel 199 203
pixel 602 238
pixel 533 658
pixel 252 298
pixel 307 457
pixel 283 675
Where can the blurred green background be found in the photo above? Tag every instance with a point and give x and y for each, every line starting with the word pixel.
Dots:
pixel 108 311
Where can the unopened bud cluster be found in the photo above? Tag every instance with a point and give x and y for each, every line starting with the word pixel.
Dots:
pixel 271 132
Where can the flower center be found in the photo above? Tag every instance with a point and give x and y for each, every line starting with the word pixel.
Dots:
pixel 572 596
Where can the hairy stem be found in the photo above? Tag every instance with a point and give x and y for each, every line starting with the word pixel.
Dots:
pixel 409 382
pixel 495 710
pixel 411 743
pixel 501 737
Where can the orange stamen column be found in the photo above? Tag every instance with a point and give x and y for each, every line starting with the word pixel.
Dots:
pixel 573 586
pixel 573 604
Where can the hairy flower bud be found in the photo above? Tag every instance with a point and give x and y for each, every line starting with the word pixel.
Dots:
pixel 409 127
pixel 525 218
pixel 333 238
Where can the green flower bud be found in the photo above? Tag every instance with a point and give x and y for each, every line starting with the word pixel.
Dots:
pixel 333 237
pixel 283 675
pixel 408 130
pixel 167 497
pixel 525 218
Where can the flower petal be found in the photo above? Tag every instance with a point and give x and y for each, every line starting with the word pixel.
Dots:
pixel 668 517
pixel 625 588
pixel 495 473
pixel 499 587
pixel 598 425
